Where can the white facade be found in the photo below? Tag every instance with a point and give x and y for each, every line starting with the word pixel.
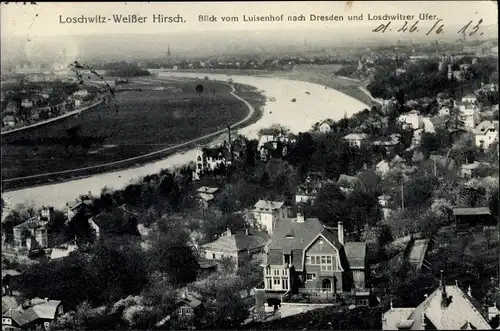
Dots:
pixel 325 127
pixel 486 133
pixel 413 119
pixel 267 212
pixel 208 160
pixel 470 115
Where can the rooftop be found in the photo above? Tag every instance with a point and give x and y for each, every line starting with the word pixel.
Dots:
pixel 461 310
pixel 237 242
pixel 209 190
pixel 471 211
pixel 356 136
pixel 268 205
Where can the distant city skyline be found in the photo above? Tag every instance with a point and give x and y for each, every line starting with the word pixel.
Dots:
pixel 43 19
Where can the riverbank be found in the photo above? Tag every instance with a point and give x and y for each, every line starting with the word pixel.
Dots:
pixel 57 118
pixel 66 175
pixel 298 116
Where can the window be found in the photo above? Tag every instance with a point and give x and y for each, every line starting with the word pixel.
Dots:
pixel 181 311
pixel 276 272
pixel 213 256
pixel 268 271
pixel 285 272
pixel 285 284
pixel 269 283
pixel 327 262
pixel 6 321
pixel 321 241
pixel 277 281
pixel 310 277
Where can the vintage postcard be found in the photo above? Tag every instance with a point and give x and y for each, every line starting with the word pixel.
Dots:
pixel 250 165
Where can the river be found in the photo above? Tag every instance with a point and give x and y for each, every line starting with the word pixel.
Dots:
pixel 299 116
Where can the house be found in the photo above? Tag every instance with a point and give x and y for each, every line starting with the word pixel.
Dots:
pixel 271 142
pixel 418 252
pixel 382 168
pixel 267 212
pixel 238 246
pixel 347 184
pixel 356 139
pixel 468 169
pixel 8 275
pixel 389 143
pixel 72 208
pixel 209 159
pixel 326 126
pixel 9 121
pixel 466 218
pixel 187 306
pixel 307 191
pixel 205 195
pixel 384 201
pixel 62 251
pixel 26 103
pixel 412 120
pixel 486 133
pixel 307 257
pixel 31 235
pixel 81 93
pixel 470 114
pixel 417 137
pixel 443 111
pixel 33 314
pixel 447 308
pixel 469 98
pixel 439 122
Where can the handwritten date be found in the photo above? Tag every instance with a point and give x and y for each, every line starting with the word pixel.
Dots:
pixel 437 28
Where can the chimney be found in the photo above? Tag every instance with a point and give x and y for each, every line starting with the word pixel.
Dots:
pixel 246 232
pixel 340 231
pixel 228 232
pixel 300 214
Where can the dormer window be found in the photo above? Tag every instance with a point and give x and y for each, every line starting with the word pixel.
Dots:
pixel 289 236
pixel 321 241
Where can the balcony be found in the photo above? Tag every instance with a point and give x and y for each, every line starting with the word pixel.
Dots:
pixel 327 296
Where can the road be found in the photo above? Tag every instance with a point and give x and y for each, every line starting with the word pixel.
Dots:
pixel 140 157
pixel 298 116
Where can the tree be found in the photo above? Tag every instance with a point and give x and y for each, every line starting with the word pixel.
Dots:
pixel 199 89
pixel 228 311
pixel 361 208
pixel 329 205
pixel 172 254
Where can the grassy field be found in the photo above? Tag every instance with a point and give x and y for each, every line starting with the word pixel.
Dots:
pixel 135 124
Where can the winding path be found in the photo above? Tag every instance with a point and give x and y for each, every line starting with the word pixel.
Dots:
pixel 140 157
pixel 298 116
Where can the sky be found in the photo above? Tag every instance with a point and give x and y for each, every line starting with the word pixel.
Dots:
pixel 43 19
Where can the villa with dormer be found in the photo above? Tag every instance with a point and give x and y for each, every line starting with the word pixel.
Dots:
pixel 310 258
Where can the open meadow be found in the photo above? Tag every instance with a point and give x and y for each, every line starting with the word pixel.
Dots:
pixel 137 122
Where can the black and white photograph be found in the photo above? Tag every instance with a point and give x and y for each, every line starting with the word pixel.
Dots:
pixel 257 165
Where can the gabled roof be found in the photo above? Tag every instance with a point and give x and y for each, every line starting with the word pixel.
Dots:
pixel 206 189
pixel 39 308
pixel 348 181
pixel 329 122
pixel 205 196
pixel 10 272
pixel 236 243
pixel 460 311
pixel 265 205
pixel 471 211
pixel 484 126
pixel 356 254
pixel 217 152
pixel 356 136
pixel 8 302
pixel 471 166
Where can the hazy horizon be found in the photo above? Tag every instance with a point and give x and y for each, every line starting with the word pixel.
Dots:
pixel 33 31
